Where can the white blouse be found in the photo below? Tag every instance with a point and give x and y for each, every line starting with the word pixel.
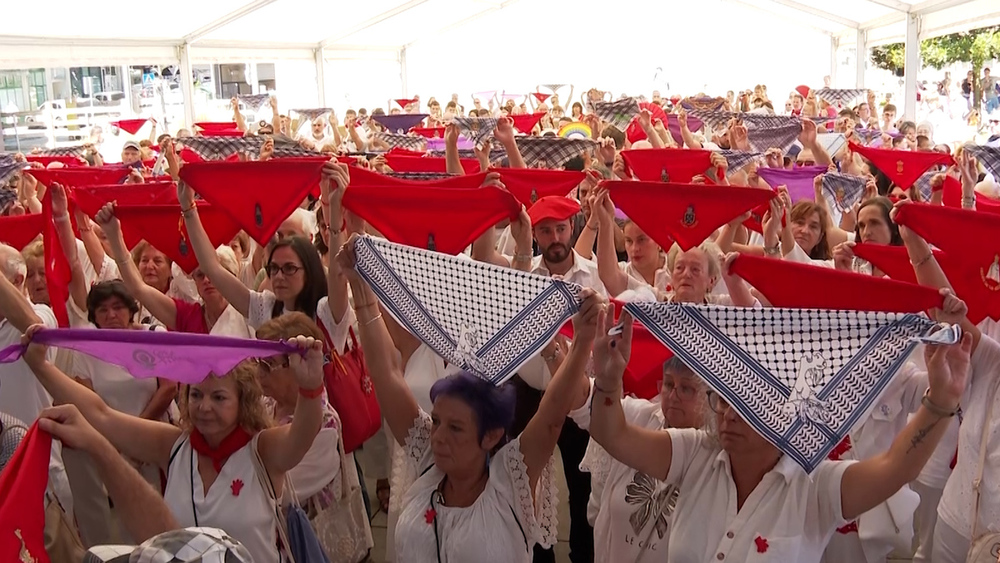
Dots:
pixel 789 516
pixel 632 511
pixel 262 306
pixel 236 502
pixel 502 526
pixel 958 499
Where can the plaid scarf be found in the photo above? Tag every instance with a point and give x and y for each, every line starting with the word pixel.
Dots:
pixel 706 103
pixel 843 191
pixel 551 152
pixel 840 96
pixel 988 156
pixel 312 114
pixel 618 114
pixel 78 150
pixel 738 160
pixel 255 101
pixel 410 142
pixel 476 129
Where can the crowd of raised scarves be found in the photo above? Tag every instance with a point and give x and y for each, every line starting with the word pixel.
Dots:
pixel 699 213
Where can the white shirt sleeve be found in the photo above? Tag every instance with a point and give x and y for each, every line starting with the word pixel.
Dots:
pixel 260 308
pixel 319 467
pixel 338 331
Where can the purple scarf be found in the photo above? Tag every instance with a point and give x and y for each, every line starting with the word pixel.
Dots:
pixel 799 181
pixel 177 356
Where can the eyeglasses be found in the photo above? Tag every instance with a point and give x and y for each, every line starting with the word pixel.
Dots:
pixel 287 270
pixel 684 392
pixel 268 365
pixel 717 403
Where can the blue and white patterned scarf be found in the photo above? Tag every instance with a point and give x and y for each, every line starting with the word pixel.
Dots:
pixel 483 318
pixel 802 378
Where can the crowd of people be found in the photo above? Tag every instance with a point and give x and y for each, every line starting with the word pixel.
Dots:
pixel 262 230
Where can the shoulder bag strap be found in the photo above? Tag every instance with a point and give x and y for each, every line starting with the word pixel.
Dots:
pixel 991 400
pixel 265 481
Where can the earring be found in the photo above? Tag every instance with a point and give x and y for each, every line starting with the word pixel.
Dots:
pixel 488 456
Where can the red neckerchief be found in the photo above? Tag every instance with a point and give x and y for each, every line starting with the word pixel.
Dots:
pixel 227 447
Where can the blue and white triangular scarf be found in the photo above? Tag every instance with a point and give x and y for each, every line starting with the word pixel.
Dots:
pixel 989 157
pixel 483 318
pixel 255 101
pixel 802 378
pixel 842 191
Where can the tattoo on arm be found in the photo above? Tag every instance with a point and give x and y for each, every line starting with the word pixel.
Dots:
pixel 921 434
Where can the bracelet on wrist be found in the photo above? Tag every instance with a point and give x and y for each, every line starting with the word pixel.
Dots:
pixel 522 257
pixel 591 227
pixel 311 393
pixel 923 260
pixel 936 409
pixel 616 390
pixel 372 320
pixel 551 357
pixel 772 250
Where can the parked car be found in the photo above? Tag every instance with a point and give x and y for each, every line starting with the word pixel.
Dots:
pixel 40 118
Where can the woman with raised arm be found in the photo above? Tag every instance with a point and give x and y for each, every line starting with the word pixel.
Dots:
pixel 743 499
pixel 213 316
pixel 469 494
pixel 211 479
pixel 298 282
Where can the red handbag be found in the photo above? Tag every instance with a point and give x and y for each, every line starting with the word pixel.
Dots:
pixel 351 393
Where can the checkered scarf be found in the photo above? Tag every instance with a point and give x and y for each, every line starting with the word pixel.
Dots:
pixel 551 152
pixel 10 167
pixel 187 545
pixel 220 148
pixel 989 157
pixel 738 159
pixel 719 120
pixel 312 114
pixel 618 114
pixel 489 322
pixel 703 104
pixel 255 101
pixel 410 142
pixel 840 96
pixel 843 191
pixel 780 137
pixel 923 184
pixel 497 153
pixel 7 198
pixel 802 378
pixel 476 129
pixel 420 176
pixel 867 135
pixel 78 150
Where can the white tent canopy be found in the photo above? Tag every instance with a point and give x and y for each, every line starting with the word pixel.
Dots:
pixel 400 48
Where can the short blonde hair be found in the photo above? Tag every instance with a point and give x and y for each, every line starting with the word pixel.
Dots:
pixel 253 415
pixel 287 326
pixel 34 250
pixel 142 247
pixel 712 252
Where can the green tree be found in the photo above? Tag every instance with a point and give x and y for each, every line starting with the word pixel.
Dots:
pixel 974 47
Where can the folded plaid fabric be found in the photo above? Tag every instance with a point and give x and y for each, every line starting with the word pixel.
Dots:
pixel 781 137
pixel 738 159
pixel 843 191
pixel 476 129
pixel 989 157
pixel 619 113
pixel 719 120
pixel 313 113
pixel 8 168
pixel 186 545
pixel 7 198
pixel 703 104
pixel 255 101
pixel 220 148
pixel 64 151
pixel 420 176
pixel 840 96
pixel 551 152
pixel 489 322
pixel 802 378
pixel 411 142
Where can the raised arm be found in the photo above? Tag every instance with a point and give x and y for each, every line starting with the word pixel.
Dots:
pixel 613 278
pixel 648 451
pixel 158 304
pixel 144 514
pixel 336 177
pixel 78 287
pixel 396 400
pixel 148 441
pixel 453 164
pixel 868 483
pixel 283 447
pixel 505 134
pixel 228 285
pixel 567 391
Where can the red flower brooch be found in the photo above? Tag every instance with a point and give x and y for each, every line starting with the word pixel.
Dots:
pixel 236 486
pixel 430 515
pixel 761 544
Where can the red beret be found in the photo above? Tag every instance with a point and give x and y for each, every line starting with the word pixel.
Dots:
pixel 554 207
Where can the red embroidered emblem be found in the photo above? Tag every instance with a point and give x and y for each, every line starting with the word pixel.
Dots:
pixel 430 515
pixel 761 544
pixel 236 486
pixel 842 448
pixel 848 529
pixel 607 401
